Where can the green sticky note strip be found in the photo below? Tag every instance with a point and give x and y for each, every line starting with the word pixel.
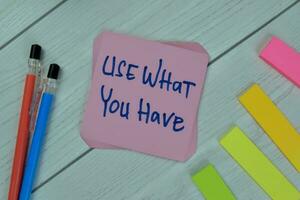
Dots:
pixel 258 166
pixel 212 186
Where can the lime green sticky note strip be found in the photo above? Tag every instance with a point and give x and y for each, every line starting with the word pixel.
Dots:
pixel 212 186
pixel 258 166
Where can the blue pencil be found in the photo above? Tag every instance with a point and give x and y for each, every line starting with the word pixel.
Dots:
pixel 39 133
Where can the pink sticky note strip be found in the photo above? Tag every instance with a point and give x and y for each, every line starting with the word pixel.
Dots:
pixel 283 58
pixel 101 137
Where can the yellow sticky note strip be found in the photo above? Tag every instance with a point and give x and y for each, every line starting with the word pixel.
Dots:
pixel 212 186
pixel 258 166
pixel 274 123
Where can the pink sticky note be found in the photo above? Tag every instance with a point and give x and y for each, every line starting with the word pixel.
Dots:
pixel 186 45
pixel 152 138
pixel 283 58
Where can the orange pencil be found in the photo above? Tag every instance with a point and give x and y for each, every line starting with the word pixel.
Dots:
pixel 24 121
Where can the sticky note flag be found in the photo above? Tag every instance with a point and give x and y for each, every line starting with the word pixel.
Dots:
pixel 274 123
pixel 258 166
pixel 144 96
pixel 283 58
pixel 212 186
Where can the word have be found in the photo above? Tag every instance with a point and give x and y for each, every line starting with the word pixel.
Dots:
pixel 162 78
pixel 158 118
pixel 144 114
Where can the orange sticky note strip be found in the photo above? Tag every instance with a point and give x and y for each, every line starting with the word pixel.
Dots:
pixel 274 123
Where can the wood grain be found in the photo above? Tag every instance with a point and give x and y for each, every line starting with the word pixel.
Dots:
pixel 127 175
pixel 16 15
pixel 67 34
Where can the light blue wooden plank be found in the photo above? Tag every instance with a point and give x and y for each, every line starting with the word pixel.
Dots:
pixel 127 175
pixel 16 15
pixel 67 34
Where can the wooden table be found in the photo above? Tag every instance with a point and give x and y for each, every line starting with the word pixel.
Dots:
pixel 232 31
